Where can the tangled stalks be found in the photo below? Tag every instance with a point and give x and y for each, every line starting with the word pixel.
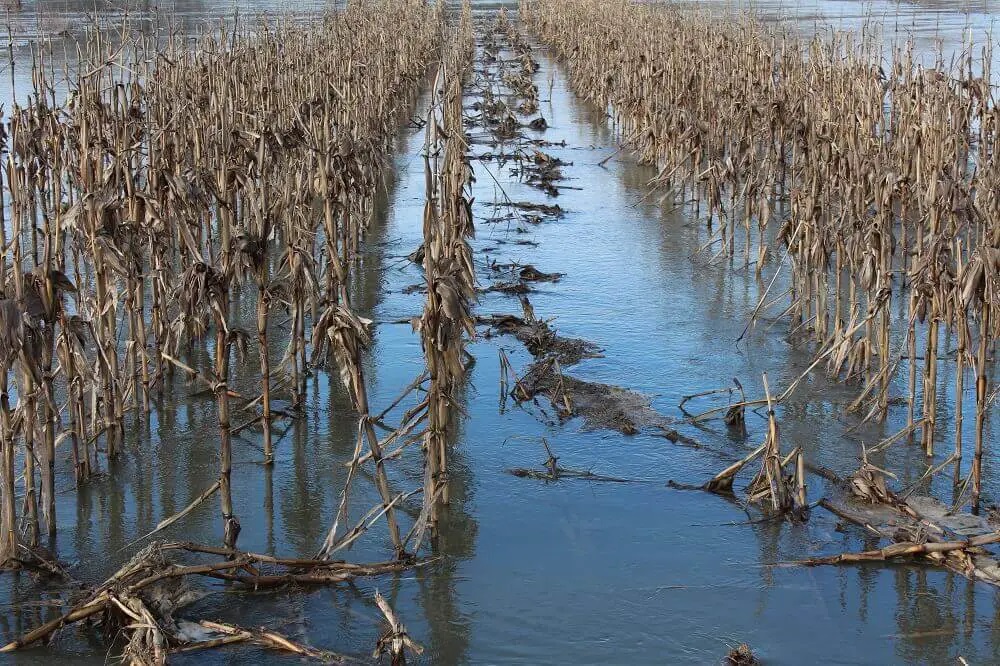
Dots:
pixel 780 492
pixel 144 596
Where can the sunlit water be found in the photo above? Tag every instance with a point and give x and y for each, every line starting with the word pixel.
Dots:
pixel 568 572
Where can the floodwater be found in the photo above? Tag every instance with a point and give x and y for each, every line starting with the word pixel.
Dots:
pixel 566 572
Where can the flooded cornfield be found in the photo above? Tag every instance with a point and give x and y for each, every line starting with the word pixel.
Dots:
pixel 560 331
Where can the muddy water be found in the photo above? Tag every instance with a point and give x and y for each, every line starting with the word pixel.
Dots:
pixel 567 572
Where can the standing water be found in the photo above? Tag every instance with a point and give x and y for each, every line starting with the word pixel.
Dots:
pixel 525 569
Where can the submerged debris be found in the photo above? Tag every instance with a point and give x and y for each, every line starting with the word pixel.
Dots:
pixel 142 598
pixel 918 527
pixel 741 655
pixel 394 641
pixel 602 406
pixel 519 278
pixel 542 171
pixel 512 287
pixel 553 472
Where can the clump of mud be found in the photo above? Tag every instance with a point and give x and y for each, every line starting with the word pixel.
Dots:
pixel 550 211
pixel 529 273
pixel 540 339
pixel 538 124
pixel 602 406
pixel 516 278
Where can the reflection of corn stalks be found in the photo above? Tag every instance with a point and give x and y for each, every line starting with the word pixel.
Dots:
pixel 746 120
pixel 507 373
pixel 448 267
pixel 203 288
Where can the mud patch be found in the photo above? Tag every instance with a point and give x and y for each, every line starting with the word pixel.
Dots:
pixel 511 287
pixel 554 210
pixel 601 406
pixel 540 339
pixel 516 278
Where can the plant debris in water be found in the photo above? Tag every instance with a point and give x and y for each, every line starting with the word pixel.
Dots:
pixel 602 406
pixel 554 472
pixel 540 339
pixel 741 655
pixel 553 210
pixel 519 277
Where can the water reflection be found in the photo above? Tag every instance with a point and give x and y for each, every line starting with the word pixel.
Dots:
pixel 448 622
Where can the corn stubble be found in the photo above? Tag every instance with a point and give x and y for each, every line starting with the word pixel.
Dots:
pixel 877 186
pixel 447 319
pixel 174 182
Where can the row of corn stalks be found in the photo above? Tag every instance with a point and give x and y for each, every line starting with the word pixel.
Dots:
pixel 876 184
pixel 177 188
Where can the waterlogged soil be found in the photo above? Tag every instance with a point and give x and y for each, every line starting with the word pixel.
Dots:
pixel 532 570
